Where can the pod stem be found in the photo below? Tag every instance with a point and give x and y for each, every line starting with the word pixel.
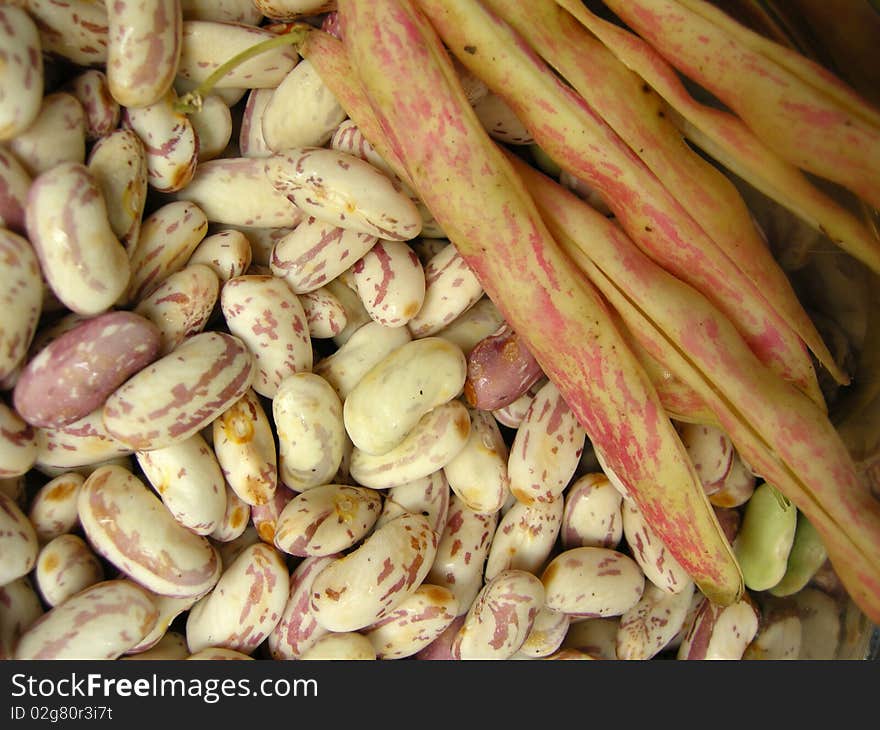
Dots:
pixel 192 102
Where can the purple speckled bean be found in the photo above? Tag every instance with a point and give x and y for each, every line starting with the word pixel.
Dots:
pixel 710 450
pixel 500 370
pixel 326 519
pixel 81 443
pixel 657 563
pixel 592 516
pixel 461 553
pixel 76 30
pixel 390 282
pixel 92 91
pixel 14 185
pixel 297 630
pixel 357 590
pixel 227 253
pixel 100 622
pixel 737 486
pixel 648 627
pixel 325 314
pixel 525 537
pixel 720 632
pixel 414 624
pixel 500 618
pixel 441 648
pixel 181 393
pixel 18 541
pixel 341 646
pixel 233 11
pixel 171 647
pixel 348 138
pixel 264 517
pixel 76 373
pixel 21 73
pixel 293 9
pixel 428 496
pixel 500 121
pixel 143 48
pixel 547 634
pixel 81 258
pixel 52 509
pixel 451 288
pixel 57 135
pixel 470 327
pixel 244 606
pixel 20 606
pixel 127 524
pixel 593 582
pixel 269 318
pixel 546 448
pixel 18 443
pixel 356 315
pixel 65 566
pixel 251 142
pixel 214 126
pixel 512 415
pixel 21 300
pixel 235 518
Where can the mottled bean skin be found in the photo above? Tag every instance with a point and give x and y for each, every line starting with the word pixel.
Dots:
pixel 213 125
pixel 737 486
pixel 391 282
pixel 21 74
pixel 711 452
pixel 15 182
pixel 79 444
pixel 21 300
pixel 171 647
pixel 76 373
pixel 428 496
pixel 93 92
pixel 657 563
pixel 21 606
pixel 325 314
pixel 57 135
pixel 500 121
pixel 341 646
pixel 525 537
pixel 441 648
pixel 233 11
pixel 471 327
pixel 251 142
pixel 18 443
pixel 18 541
pixel 500 370
pixel 547 634
pixel 293 9
pixel 52 509
pixel 592 515
pixel 76 30
pixel 720 632
pixel 65 566
pixel 649 626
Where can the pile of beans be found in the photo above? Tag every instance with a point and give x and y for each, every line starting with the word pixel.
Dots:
pixel 256 406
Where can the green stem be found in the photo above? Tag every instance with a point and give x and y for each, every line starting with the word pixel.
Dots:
pixel 192 102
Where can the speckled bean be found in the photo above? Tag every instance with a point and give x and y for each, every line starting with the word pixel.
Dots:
pixel 357 590
pixel 546 448
pixel 251 142
pixel 100 622
pixel 596 637
pixel 593 582
pixel 391 283
pixel 431 444
pixel 414 624
pixel 181 305
pixel 821 626
pixel 366 347
pixel 75 374
pixel 219 653
pixel 269 318
pixel 57 135
pixel 21 606
pixel 765 537
pixel 76 30
pixel 293 9
pixel 18 443
pixel 470 327
pixel 546 636
pixel 341 646
pixel 213 124
pixel 244 606
pixel 500 121
pixel 648 627
pixel 451 288
pixel 720 632
pixel 356 315
pixel 20 301
pixel 235 518
pixel 512 415
pixel 500 370
pixel 779 635
pixel 227 253
pixel 91 89
pixel 325 314
pixel 525 537
pixel 500 618
pixel 171 647
pixel 233 11
pixel 18 541
pixel 80 256
pixel 118 163
pixel 264 517
pixel 188 479
pixel 181 393
pixel 344 190
pixel 592 516
pixel 21 76
pixel 127 524
pixel 348 138
pixel 657 563
pixel 81 443
pixel 441 648
pixel 235 191
pixel 711 452
pixel 52 509
pixel 65 566
pixel 737 487
pixel 169 608
pixel 230 550
pixel 427 496
pixel 14 184
pixel 478 473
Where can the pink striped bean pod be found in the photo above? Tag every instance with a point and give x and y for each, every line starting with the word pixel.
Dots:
pixel 235 191
pixel 244 606
pixel 297 630
pixel 315 252
pixel 592 516
pixel 470 327
pixel 57 135
pixel 500 370
pixel 293 9
pixel 235 518
pixel 143 48
pixel 118 162
pixel 414 624
pixel 432 443
pixel 75 30
pixel 18 443
pixel 342 189
pixel 189 482
pixel 308 420
pixel 245 448
pixel 501 618
pixel 181 305
pixel 648 627
pixel 15 182
pixel 357 590
pixel 100 622
pixel 325 314
pixel 451 288
pixel 326 519
pixel 181 393
pixel 21 75
pixel 232 11
pixel 720 632
pixel 461 553
pixel 593 582
pixel 52 509
pixel 79 444
pixel 391 283
pixel 546 448
pixel 525 537
pixel 227 253
pixel 76 373
pixel 126 523
pixel 18 541
pixel 91 89
pixel 65 566
pixel 21 607
pixel 547 634
pixel 657 563
pixel 81 258
pixel 251 142
pixel 21 301
pixel 478 473
pixel 711 451
pixel 341 646
pixel 428 496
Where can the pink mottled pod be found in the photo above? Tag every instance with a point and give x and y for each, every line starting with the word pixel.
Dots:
pixel 720 632
pixel 293 9
pixel 21 301
pixel 592 516
pixel 214 126
pixel 391 283
pixel 100 622
pixel 15 182
pixel 227 253
pixel 326 519
pixel 57 135
pixel 143 49
pixel 80 444
pixel 451 288
pixel 52 510
pixel 251 142
pixel 75 374
pixel 65 566
pixel 471 327
pixel 648 627
pixel 127 524
pixel 501 617
pixel 75 30
pixel 269 318
pixel 341 646
pixel 244 606
pixel 21 77
pixel 461 553
pixel 81 258
pixel 711 451
pixel 18 541
pixel 546 449
pixel 427 496
pixel 657 563
pixel 357 590
pixel 235 191
pixel 525 537
pixel 91 89
pixel 500 370
pixel 18 443
pixel 414 624
pixel 21 607
pixel 547 634
pixel 325 314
